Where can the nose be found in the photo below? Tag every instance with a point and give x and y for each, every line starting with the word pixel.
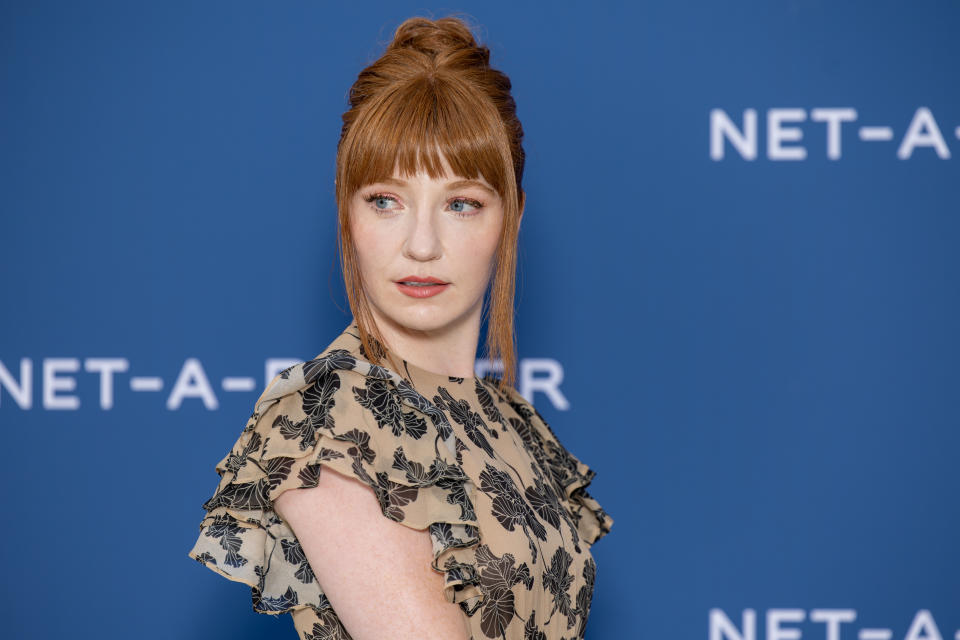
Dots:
pixel 423 240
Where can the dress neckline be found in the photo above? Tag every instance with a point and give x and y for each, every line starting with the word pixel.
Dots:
pixel 409 370
pixel 418 374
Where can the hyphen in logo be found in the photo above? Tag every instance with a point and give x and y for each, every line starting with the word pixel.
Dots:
pixel 824 623
pixel 922 131
pixel 59 379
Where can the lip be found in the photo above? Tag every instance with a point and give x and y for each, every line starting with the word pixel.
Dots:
pixel 421 279
pixel 434 287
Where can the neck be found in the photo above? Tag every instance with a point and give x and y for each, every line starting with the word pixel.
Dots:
pixel 448 350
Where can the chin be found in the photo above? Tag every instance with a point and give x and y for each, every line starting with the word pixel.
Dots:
pixel 424 320
pixel 421 317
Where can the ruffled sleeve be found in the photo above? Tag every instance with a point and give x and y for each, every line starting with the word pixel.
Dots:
pixel 313 417
pixel 570 475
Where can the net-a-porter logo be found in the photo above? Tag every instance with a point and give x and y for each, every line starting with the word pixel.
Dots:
pixel 822 624
pixel 785 129
pixel 61 378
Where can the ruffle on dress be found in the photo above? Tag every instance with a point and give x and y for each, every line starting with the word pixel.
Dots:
pixel 363 421
pixel 570 475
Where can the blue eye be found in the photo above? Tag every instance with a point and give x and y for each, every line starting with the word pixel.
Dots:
pixel 378 198
pixel 468 202
pixel 461 207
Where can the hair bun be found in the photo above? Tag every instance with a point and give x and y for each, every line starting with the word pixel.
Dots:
pixel 437 38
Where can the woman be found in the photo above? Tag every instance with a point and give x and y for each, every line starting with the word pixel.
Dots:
pixel 431 503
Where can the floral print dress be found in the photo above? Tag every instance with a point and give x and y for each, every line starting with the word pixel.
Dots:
pixel 504 502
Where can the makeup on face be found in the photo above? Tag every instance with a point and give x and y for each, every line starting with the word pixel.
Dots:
pixel 421 287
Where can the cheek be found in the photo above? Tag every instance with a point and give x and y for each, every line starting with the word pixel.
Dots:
pixel 372 245
pixel 491 239
pixel 478 250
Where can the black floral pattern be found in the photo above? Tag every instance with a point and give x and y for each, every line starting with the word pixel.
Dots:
pixel 557 580
pixel 225 528
pixel 378 397
pixel 488 405
pixel 509 507
pixel 474 426
pixel 505 504
pixel 498 576
pixel 293 553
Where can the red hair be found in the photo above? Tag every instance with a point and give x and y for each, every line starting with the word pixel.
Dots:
pixel 434 92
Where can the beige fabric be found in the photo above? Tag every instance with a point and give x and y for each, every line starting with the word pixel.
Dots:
pixel 504 502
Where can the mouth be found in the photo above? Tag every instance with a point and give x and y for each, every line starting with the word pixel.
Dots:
pixel 421 287
pixel 418 281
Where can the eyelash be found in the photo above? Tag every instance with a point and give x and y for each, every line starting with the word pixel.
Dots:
pixel 474 203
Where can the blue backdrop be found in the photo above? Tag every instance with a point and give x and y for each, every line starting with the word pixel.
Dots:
pixel 740 249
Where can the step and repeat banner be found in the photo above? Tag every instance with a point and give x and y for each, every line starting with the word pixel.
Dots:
pixel 738 296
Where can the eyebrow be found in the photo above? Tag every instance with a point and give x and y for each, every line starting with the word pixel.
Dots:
pixel 457 184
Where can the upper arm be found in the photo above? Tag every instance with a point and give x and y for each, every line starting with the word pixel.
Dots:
pixel 375 572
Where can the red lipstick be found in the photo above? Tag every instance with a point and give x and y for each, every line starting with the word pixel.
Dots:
pixel 429 286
